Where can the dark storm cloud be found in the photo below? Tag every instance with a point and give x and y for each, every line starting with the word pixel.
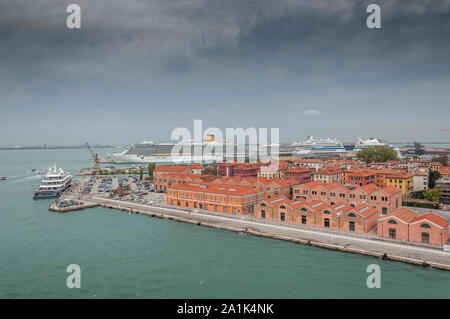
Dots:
pixel 232 31
pixel 284 56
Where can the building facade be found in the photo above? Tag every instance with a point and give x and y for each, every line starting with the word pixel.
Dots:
pixel 401 180
pixel 383 200
pixel 300 175
pixel 407 225
pixel 340 216
pixel 234 199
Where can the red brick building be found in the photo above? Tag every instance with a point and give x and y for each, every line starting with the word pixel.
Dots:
pixel 164 169
pixel 360 177
pixel 340 216
pixel 226 169
pixel 407 225
pixel 383 200
pixel 231 199
pixel 298 174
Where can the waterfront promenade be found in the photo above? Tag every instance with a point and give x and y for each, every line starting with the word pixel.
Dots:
pixel 392 250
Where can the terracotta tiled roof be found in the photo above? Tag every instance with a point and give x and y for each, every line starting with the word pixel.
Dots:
pixel 283 182
pixel 333 185
pixel 435 219
pixel 400 175
pixel 444 171
pixel 391 190
pixel 317 205
pixel 298 170
pixel 213 188
pixel 369 188
pixel 404 214
pixel 361 172
pixel 171 168
pixel 313 184
pixel 341 207
pixel 365 210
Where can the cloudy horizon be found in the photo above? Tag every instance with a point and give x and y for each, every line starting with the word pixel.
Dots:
pixel 139 69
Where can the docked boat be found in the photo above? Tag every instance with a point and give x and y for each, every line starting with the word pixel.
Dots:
pixel 372 142
pixel 322 146
pixel 54 183
pixel 3 178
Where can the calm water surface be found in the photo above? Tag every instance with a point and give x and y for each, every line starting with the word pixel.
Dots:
pixel 134 256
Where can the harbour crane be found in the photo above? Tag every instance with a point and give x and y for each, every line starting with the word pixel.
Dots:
pixel 94 156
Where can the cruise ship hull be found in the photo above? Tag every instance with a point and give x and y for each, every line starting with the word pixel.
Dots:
pixel 131 159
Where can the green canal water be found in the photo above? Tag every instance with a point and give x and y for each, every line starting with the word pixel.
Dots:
pixel 134 256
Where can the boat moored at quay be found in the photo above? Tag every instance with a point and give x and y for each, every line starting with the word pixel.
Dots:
pixel 54 183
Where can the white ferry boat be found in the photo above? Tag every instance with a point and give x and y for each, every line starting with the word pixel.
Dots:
pixel 372 142
pixel 320 146
pixel 54 183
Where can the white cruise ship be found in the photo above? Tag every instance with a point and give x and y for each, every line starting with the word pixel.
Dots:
pixel 211 152
pixel 54 183
pixel 372 142
pixel 322 146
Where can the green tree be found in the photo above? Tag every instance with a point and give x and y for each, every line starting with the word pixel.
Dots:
pixel 443 159
pixel 210 170
pixel 432 195
pixel 434 176
pixel 151 167
pixel 377 154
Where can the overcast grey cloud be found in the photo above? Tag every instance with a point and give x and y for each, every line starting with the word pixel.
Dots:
pixel 141 68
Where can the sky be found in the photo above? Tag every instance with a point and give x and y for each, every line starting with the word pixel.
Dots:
pixel 140 68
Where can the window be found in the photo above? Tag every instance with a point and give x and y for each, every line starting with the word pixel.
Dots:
pixel 351 215
pixel 351 226
pixel 303 209
pixel 425 226
pixel 392 222
pixel 392 233
pixel 425 238
pixel 282 217
pixel 282 207
pixel 263 214
pixel 263 205
pixel 326 212
pixel 384 211
pixel 326 223
pixel 303 219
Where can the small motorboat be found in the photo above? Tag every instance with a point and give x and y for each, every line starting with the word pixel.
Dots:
pixel 3 178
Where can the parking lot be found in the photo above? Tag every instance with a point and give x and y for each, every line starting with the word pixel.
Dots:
pixel 126 188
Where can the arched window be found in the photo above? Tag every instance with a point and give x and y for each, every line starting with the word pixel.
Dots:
pixel 326 212
pixel 351 215
pixel 392 222
pixel 282 207
pixel 304 209
pixel 425 226
pixel 263 205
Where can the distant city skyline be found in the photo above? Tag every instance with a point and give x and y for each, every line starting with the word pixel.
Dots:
pixel 139 69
